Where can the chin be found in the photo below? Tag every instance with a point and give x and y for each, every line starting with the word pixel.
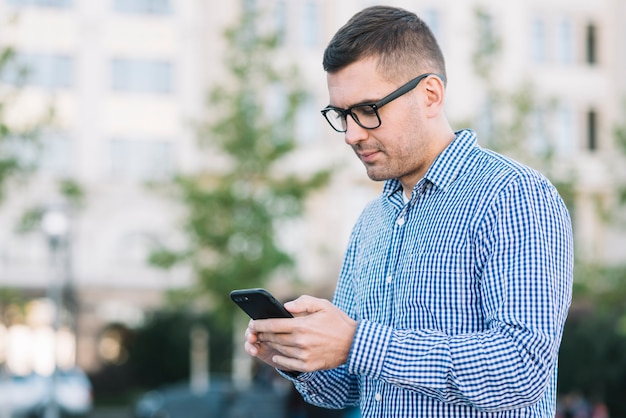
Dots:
pixel 377 176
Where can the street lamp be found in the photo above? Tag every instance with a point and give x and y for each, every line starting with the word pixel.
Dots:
pixel 55 226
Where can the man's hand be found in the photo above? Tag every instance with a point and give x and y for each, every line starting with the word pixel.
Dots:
pixel 318 338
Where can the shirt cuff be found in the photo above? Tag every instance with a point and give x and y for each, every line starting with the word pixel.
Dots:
pixel 369 349
pixel 295 376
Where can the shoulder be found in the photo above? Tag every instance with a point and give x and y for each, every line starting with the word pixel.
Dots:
pixel 495 184
pixel 518 188
pixel 499 170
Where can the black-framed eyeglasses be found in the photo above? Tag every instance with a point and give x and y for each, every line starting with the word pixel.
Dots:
pixel 366 114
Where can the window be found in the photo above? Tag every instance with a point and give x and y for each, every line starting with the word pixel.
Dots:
pixel 141 159
pixel 565 42
pixel 57 154
pixel 592 130
pixel 155 7
pixel 51 153
pixel 591 43
pixel 142 76
pixel 23 151
pixel 565 140
pixel 538 41
pixel 41 70
pixel 310 24
pixel 62 4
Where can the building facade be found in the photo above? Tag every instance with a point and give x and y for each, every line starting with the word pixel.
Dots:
pixel 127 79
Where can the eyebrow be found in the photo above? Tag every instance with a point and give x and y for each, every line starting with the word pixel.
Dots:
pixel 364 102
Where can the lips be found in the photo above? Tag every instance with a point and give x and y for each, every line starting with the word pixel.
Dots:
pixel 368 156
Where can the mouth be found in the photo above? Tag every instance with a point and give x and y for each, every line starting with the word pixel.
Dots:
pixel 368 156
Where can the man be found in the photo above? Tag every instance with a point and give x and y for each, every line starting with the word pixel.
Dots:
pixel 457 279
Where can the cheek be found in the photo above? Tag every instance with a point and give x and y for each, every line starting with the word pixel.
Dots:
pixel 403 133
pixel 407 115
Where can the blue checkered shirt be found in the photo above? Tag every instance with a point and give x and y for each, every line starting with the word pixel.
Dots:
pixel 460 294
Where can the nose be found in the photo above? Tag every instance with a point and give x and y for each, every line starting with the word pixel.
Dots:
pixel 354 132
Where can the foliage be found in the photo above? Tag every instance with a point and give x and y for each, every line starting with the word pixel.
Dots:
pixel 16 143
pixel 73 198
pixel 14 138
pixel 159 350
pixel 592 358
pixel 236 205
pixel 20 146
pixel 488 45
pixel 620 142
pixel 592 361
pixel 12 305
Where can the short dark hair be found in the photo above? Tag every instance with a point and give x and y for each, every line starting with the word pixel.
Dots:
pixel 403 43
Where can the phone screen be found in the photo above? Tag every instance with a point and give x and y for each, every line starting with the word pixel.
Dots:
pixel 259 304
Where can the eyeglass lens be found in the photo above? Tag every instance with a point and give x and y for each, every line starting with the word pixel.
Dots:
pixel 364 115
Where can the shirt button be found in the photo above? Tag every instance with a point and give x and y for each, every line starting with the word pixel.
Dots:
pixel 400 221
pixel 378 397
pixel 389 279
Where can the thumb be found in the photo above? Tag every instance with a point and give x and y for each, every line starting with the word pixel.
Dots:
pixel 306 305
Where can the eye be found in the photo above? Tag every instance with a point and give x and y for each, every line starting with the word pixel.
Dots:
pixel 366 111
pixel 335 114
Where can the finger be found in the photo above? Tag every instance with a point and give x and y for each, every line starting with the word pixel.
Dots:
pixel 251 336
pixel 251 349
pixel 306 305
pixel 288 363
pixel 277 325
pixel 295 353
pixel 278 340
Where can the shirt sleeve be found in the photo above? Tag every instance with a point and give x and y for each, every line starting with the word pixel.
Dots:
pixel 332 389
pixel 525 293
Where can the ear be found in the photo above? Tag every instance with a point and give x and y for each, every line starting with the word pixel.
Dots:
pixel 435 93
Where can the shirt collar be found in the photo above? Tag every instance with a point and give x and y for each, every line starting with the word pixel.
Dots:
pixel 447 166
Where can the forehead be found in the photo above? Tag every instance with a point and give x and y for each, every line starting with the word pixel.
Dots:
pixel 359 82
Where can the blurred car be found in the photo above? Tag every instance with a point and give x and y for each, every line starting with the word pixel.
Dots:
pixel 221 399
pixel 74 392
pixel 21 396
pixel 27 396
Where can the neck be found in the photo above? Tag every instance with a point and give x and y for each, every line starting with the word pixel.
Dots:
pixel 439 143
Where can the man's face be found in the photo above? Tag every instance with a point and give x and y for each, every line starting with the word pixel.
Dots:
pixel 399 147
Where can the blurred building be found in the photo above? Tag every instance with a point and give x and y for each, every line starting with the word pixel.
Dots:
pixel 127 78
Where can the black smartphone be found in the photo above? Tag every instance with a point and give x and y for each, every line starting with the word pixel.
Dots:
pixel 259 304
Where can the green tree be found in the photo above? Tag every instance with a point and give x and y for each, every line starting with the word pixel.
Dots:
pixel 236 206
pixel 20 144
pixel 170 331
pixel 20 153
pixel 14 138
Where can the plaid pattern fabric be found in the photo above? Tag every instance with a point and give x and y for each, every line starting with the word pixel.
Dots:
pixel 461 294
